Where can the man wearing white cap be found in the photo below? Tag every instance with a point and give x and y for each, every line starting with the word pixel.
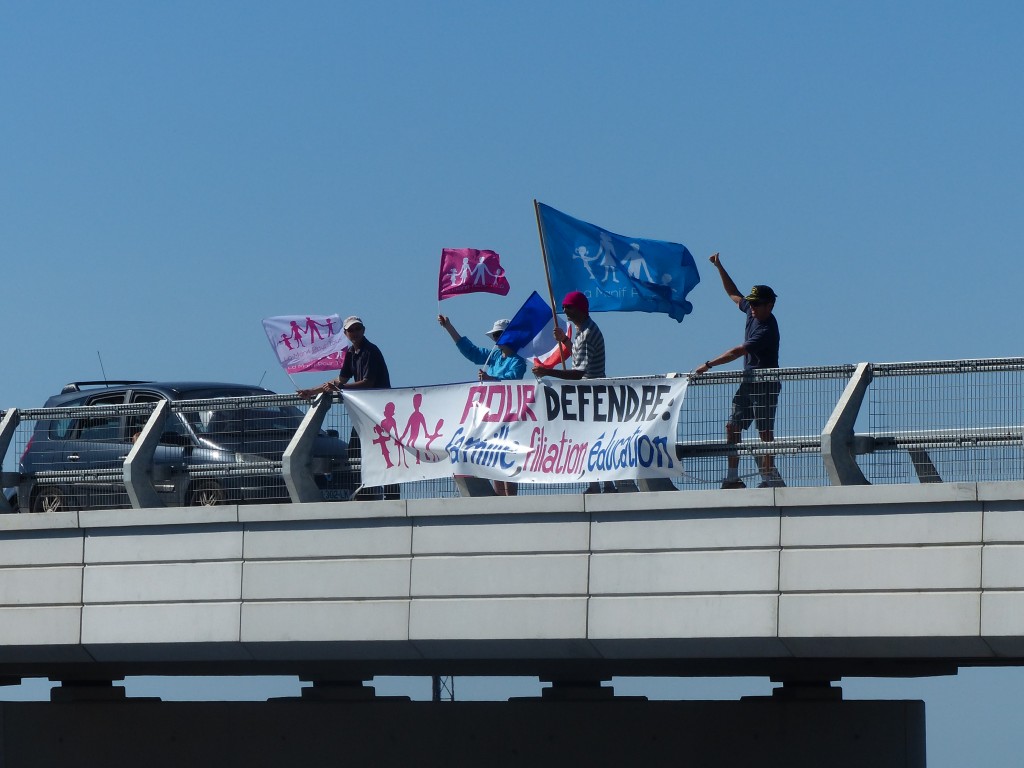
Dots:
pixel 364 368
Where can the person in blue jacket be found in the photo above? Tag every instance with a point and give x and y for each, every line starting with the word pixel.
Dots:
pixel 498 363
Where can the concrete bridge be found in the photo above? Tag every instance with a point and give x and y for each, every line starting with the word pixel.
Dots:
pixel 806 585
pixel 897 550
pixel 801 583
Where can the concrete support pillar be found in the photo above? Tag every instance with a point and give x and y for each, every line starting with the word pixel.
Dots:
pixel 837 439
pixel 138 467
pixel 297 461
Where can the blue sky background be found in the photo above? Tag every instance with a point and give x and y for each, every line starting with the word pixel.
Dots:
pixel 173 172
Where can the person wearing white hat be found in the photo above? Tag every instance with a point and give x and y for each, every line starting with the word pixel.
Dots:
pixel 499 363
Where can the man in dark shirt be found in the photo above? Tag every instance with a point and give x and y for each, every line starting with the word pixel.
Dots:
pixel 756 399
pixel 364 368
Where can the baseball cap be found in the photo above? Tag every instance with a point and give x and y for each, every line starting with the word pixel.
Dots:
pixel 576 300
pixel 498 328
pixel 761 293
pixel 352 320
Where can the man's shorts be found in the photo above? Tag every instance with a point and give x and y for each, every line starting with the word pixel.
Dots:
pixel 755 401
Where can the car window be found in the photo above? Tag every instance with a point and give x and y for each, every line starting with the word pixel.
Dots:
pixel 100 429
pixel 106 428
pixel 175 432
pixel 60 429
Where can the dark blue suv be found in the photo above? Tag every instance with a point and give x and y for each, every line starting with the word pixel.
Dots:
pixel 214 449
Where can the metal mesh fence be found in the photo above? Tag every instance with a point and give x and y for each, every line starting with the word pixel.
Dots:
pixel 945 421
pixel 806 399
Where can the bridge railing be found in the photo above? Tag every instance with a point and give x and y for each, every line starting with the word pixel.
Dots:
pixel 945 421
pixel 940 421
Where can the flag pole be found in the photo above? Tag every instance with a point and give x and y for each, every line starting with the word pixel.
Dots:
pixel 547 275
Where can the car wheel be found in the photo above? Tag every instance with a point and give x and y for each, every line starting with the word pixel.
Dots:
pixel 205 495
pixel 47 499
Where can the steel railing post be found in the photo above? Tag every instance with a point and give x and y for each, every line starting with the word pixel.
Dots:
pixel 7 429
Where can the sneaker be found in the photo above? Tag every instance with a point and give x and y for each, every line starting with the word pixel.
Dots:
pixel 733 484
pixel 773 483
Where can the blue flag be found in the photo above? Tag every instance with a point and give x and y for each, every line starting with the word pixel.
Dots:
pixel 616 273
pixel 531 319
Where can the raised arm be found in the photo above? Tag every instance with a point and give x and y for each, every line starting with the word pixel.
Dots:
pixel 727 283
pixel 446 323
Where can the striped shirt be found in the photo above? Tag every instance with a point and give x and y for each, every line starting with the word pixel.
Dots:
pixel 588 350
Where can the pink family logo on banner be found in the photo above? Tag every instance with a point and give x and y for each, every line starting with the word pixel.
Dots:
pixel 415 439
pixel 307 342
pixel 467 270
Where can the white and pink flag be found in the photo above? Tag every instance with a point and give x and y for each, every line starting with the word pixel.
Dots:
pixel 467 270
pixel 307 342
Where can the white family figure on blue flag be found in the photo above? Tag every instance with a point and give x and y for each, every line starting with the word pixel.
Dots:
pixel 583 254
pixel 606 252
pixel 635 261
pixel 635 275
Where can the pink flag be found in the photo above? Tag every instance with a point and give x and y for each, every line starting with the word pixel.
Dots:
pixel 467 270
pixel 307 342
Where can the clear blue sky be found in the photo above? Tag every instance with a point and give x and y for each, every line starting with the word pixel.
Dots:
pixel 173 172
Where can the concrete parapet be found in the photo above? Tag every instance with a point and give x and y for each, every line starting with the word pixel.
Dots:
pixel 762 579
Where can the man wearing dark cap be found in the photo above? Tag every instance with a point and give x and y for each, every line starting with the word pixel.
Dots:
pixel 756 400
pixel 364 368
pixel 587 345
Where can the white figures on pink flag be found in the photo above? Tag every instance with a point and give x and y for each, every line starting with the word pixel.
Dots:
pixel 481 272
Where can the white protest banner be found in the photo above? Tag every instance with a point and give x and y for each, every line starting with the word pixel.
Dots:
pixel 537 432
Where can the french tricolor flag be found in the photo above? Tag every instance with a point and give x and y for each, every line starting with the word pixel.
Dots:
pixel 531 333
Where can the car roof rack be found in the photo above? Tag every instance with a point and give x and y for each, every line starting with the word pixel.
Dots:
pixel 76 386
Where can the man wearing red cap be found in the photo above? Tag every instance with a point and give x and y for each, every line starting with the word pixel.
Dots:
pixel 587 344
pixel 587 356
